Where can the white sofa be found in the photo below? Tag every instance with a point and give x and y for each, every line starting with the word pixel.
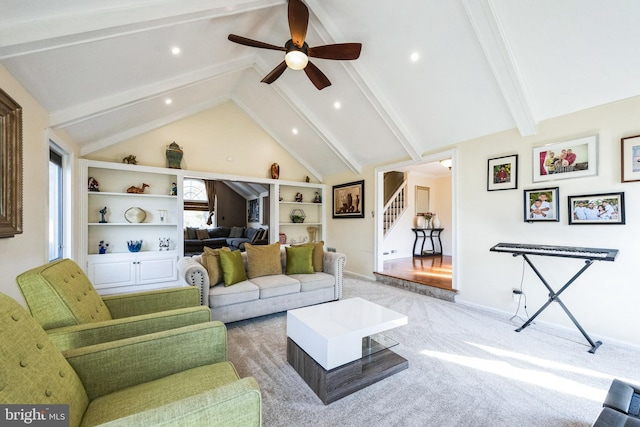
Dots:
pixel 266 294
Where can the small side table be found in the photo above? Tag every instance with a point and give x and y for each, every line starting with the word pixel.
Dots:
pixel 432 234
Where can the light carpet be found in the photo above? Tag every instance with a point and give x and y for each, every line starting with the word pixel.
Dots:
pixel 467 367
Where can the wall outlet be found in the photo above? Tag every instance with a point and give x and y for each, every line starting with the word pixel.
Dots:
pixel 517 293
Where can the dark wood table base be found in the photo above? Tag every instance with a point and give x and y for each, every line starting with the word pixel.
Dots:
pixel 346 379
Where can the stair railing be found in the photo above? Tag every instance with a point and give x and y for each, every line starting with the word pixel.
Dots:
pixel 394 208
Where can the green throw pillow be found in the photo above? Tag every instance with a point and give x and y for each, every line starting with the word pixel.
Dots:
pixel 300 260
pixel 318 254
pixel 211 261
pixel 232 267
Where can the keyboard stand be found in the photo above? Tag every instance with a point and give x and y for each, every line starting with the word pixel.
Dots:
pixel 555 297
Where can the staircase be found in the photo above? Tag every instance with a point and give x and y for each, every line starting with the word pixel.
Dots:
pixel 394 208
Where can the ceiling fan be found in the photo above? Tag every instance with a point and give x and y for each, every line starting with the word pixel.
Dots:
pixel 298 51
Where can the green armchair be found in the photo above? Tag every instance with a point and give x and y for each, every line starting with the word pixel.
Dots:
pixel 65 303
pixel 178 377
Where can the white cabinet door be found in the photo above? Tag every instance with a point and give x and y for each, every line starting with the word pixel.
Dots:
pixel 112 273
pixel 117 273
pixel 161 269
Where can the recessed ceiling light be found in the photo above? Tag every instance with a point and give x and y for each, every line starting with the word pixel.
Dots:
pixel 337 105
pixel 175 50
pixel 168 101
pixel 295 131
pixel 415 56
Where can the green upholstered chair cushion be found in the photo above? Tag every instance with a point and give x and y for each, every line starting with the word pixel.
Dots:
pixel 32 369
pixel 300 260
pixel 174 377
pixel 174 388
pixel 60 294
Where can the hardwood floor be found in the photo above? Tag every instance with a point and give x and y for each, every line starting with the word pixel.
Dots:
pixel 432 271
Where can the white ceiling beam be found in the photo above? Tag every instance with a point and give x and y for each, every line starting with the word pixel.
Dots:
pixel 490 34
pixel 314 122
pixel 93 109
pixel 60 30
pixel 323 24
pixel 150 126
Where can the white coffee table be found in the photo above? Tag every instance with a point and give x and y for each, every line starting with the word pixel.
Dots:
pixel 329 346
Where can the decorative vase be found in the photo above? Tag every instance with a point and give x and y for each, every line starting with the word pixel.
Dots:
pixel 134 245
pixel 313 231
pixel 275 171
pixel 436 222
pixel 420 221
pixel 174 156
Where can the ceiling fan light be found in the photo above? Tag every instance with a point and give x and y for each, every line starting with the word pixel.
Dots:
pixel 296 60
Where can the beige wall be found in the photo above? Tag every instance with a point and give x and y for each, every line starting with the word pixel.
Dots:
pixel 29 249
pixel 604 299
pixel 222 140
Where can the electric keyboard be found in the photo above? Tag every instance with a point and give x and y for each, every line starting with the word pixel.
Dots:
pixel 590 254
pixel 599 254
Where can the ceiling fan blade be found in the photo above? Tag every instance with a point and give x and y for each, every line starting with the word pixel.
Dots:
pixel 275 73
pixel 317 77
pixel 254 43
pixel 298 22
pixel 342 51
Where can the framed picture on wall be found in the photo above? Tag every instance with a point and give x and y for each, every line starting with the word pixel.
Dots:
pixel 253 213
pixel 630 158
pixel 541 204
pixel 502 173
pixel 348 200
pixel 570 159
pixel 606 208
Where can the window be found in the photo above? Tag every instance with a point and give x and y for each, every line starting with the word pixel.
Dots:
pixel 56 204
pixel 196 205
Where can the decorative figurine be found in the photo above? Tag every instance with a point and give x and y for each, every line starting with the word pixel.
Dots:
pixel 93 184
pixel 137 190
pixel 163 243
pixel 102 247
pixel 298 197
pixel 103 212
pixel 130 160
pixel 317 198
pixel 174 189
pixel 307 179
pixel 162 213
pixel 275 171
pixel 174 155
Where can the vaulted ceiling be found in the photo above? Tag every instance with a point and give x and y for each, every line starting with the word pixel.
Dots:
pixel 104 70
